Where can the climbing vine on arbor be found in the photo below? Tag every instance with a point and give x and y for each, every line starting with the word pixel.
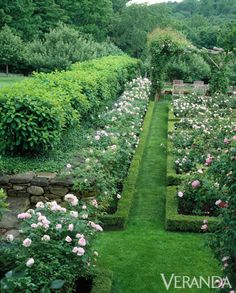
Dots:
pixel 164 44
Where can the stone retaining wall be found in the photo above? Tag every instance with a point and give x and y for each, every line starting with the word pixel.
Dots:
pixel 36 187
pixel 26 189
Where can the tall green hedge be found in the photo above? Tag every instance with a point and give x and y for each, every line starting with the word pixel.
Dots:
pixel 35 112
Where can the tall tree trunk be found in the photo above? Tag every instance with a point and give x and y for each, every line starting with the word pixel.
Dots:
pixel 7 69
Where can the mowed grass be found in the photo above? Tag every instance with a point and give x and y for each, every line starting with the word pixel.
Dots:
pixel 139 254
pixel 8 80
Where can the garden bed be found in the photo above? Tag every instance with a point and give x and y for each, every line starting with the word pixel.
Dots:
pixel 174 220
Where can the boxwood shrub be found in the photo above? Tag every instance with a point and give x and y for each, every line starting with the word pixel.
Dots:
pixel 35 112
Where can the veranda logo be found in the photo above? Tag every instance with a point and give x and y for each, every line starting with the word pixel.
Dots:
pixel 200 282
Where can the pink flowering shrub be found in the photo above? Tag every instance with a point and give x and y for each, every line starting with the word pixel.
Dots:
pixel 56 244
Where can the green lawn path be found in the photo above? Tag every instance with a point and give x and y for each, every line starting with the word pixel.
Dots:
pixel 8 80
pixel 138 255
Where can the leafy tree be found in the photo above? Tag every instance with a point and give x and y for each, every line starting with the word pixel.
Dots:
pixel 119 5
pixel 227 38
pixel 11 48
pixel 92 17
pixel 63 46
pixel 136 21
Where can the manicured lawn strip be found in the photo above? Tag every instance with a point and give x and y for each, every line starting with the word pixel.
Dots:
pixel 174 220
pixel 138 255
pixel 119 219
pixel 7 80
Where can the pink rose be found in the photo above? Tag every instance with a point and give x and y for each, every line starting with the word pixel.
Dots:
pixel 204 227
pixel 27 242
pixel 82 242
pixel 72 199
pixel 68 239
pixel 208 161
pixel 58 226
pixel 180 194
pixel 30 262
pixel 196 184
pixel 24 216
pixel 71 227
pixel 75 249
pixel 45 238
pixel 226 141
pixel 81 251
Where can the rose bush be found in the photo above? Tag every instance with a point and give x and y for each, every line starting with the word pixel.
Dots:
pixel 55 247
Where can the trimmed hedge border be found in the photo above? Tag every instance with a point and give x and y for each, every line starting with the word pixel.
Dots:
pixel 187 223
pixel 118 220
pixel 102 282
pixel 173 220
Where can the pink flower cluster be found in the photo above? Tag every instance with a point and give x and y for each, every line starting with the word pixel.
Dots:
pixel 95 226
pixel 196 184
pixel 72 199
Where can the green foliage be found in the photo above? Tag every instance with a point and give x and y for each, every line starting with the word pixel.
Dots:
pixel 131 27
pixel 11 47
pixel 35 112
pixel 188 67
pixel 219 81
pixel 164 44
pixel 3 203
pixel 63 46
pixel 92 17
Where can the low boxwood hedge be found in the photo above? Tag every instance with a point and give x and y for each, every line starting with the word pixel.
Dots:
pixel 119 219
pixel 175 221
pixel 34 113
pixel 102 281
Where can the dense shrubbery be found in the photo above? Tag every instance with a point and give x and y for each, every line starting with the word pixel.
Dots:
pixel 63 46
pixel 34 113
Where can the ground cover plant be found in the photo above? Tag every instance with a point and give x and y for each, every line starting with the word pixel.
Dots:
pixel 35 112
